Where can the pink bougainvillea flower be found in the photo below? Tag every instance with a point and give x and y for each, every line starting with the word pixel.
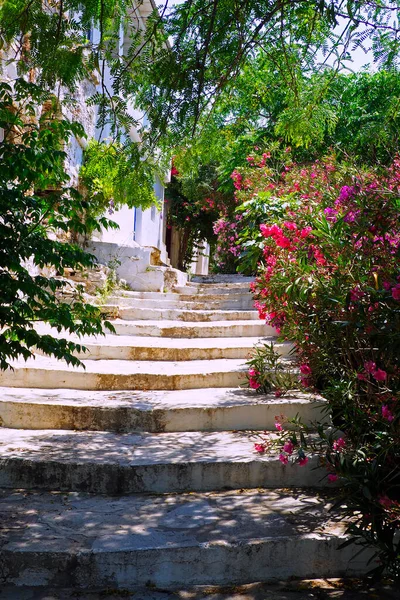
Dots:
pixel 303 461
pixel 379 375
pixel 305 232
pixel 255 385
pixel 332 477
pixel 386 502
pixel 362 377
pixel 253 372
pixel 370 366
pixel 345 193
pixel 396 292
pixel 265 230
pixel 339 444
pixel 331 214
pixel 319 257
pixel 276 230
pixel 356 294
pixel 305 382
pixel 278 426
pixel 305 369
pixel 260 448
pixel 288 447
pixel 290 225
pixel 387 413
pixel 282 241
pixel 284 459
pixel 351 216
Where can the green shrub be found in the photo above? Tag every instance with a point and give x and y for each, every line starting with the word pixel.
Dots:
pixel 329 280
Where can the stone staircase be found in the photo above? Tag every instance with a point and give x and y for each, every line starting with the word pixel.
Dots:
pixel 140 469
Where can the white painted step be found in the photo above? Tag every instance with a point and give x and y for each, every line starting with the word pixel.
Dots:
pixel 145 295
pixel 178 314
pixel 199 290
pixel 109 463
pixel 208 409
pixel 178 329
pixel 85 541
pixel 187 303
pixel 222 278
pixel 230 285
pixel 191 291
pixel 43 372
pixel 172 349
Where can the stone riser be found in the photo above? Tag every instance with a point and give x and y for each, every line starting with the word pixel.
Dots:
pixel 198 291
pixel 222 278
pixel 133 314
pixel 217 298
pixel 209 564
pixel 189 292
pixel 186 304
pixel 114 478
pixel 208 287
pixel 85 416
pixel 81 380
pixel 198 330
pixel 114 352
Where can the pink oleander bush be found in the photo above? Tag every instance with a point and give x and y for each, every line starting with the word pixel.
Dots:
pixel 227 248
pixel 328 278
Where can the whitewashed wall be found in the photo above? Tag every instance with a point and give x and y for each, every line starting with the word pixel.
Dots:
pixel 139 230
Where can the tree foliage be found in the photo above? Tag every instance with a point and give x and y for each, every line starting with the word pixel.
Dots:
pixel 215 40
pixel 113 174
pixel 36 204
pixel 194 204
pixel 189 69
pixel 190 53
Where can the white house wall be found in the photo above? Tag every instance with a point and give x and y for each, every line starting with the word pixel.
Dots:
pixel 139 230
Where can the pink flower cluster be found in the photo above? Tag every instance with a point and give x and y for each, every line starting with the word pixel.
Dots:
pixel 306 373
pixel 370 368
pixel 253 374
pixel 387 413
pixel 237 179
pixel 339 445
pixel 228 248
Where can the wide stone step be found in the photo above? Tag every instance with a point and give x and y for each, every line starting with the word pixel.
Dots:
pixel 85 541
pixel 208 409
pixel 222 301
pixel 229 285
pixel 109 463
pixel 187 303
pixel 222 278
pixel 178 329
pixel 173 349
pixel 203 290
pixel 43 372
pixel 178 314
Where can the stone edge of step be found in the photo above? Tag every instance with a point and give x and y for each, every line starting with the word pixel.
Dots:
pixel 169 413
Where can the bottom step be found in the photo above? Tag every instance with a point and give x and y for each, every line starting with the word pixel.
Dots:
pixel 226 538
pixel 308 589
